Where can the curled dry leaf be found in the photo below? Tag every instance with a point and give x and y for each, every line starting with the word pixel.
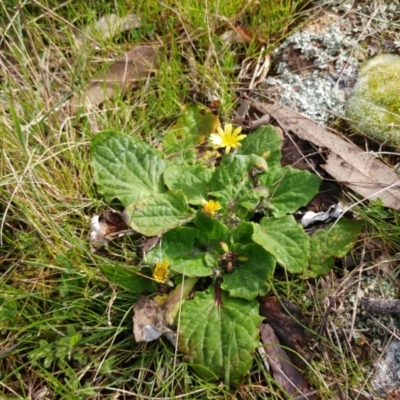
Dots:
pixel 106 227
pixel 133 66
pixel 348 164
pixel 149 321
pixel 285 374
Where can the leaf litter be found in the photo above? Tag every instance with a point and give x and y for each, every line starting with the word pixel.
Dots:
pixel 135 65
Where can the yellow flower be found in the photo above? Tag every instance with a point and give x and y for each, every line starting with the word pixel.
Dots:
pixel 226 138
pixel 211 207
pixel 160 273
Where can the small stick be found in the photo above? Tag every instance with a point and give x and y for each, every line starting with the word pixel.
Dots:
pixel 380 305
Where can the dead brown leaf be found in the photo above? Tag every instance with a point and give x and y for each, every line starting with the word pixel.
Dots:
pixel 348 164
pixel 106 227
pixel 285 374
pixel 149 322
pixel 290 329
pixel 133 66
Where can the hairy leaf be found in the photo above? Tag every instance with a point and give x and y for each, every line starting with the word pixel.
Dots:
pixel 125 168
pixel 336 240
pixel 219 334
pixel 265 142
pixel 233 187
pixel 158 214
pixel 289 189
pixel 192 180
pixel 178 246
pixel 210 229
pixel 192 128
pixel 128 277
pixel 250 278
pixel 285 240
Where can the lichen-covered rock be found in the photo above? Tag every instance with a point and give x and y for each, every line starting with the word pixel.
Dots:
pixel 374 106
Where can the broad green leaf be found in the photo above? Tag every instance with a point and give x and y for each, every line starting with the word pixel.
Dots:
pixel 289 188
pixel 219 334
pixel 125 168
pixel 192 128
pixel 210 229
pixel 158 214
pixel 242 233
pixel 192 180
pixel 233 187
pixel 178 246
pixel 336 240
pixel 251 278
pixel 286 240
pixel 128 277
pixel 265 142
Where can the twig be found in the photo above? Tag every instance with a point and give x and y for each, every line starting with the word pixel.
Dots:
pixel 380 305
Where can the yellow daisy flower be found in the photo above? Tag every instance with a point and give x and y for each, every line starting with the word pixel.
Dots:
pixel 226 138
pixel 160 273
pixel 211 207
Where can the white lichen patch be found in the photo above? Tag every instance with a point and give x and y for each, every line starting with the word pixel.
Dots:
pixel 387 376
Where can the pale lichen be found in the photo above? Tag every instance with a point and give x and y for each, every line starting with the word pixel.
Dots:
pixel 374 106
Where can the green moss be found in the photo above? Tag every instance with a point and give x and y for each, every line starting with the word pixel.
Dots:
pixel 374 106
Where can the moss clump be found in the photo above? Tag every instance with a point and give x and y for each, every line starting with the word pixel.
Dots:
pixel 374 106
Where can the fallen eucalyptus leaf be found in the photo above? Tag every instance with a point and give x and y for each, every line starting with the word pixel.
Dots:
pixel 133 66
pixel 290 326
pixel 348 164
pixel 285 374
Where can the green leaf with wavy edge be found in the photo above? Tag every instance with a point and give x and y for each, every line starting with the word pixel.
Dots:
pixel 233 187
pixel 210 229
pixel 286 240
pixel 250 278
pixel 192 127
pixel 336 240
pixel 242 233
pixel 219 334
pixel 179 247
pixel 289 188
pixel 125 168
pixel 130 278
pixel 158 214
pixel 265 142
pixel 192 180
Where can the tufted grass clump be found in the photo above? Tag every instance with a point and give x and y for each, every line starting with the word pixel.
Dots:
pixel 374 106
